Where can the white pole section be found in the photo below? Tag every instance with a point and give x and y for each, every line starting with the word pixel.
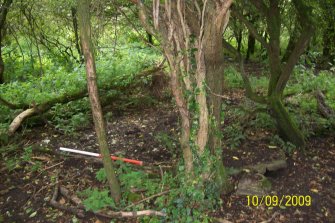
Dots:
pixel 79 152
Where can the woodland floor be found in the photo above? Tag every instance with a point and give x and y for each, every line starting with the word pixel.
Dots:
pixel 133 133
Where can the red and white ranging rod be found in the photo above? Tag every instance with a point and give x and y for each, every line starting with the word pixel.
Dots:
pixel 136 162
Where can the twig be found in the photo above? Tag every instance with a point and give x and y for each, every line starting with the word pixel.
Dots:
pixel 57 164
pixel 148 198
pixel 271 219
pixel 130 214
pixel 66 193
pixel 74 210
pixel 221 220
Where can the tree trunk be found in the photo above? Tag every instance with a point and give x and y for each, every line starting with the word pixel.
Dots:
pixel 87 46
pixel 291 43
pixel 214 62
pixel 3 14
pixel 76 36
pixel 251 46
pixel 280 72
pixel 239 38
pixel 2 68
pixel 287 128
pixel 150 40
pixel 196 75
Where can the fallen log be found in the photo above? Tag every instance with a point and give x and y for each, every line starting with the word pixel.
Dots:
pixel 33 110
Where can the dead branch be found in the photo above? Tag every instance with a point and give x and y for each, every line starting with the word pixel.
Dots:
pixel 74 210
pixel 148 198
pixel 272 218
pixel 42 108
pixel 72 197
pixel 130 214
pixel 16 123
pixel 221 220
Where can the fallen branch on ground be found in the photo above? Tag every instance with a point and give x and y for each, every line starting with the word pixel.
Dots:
pixel 78 210
pixel 148 198
pixel 74 210
pixel 32 110
pixel 131 214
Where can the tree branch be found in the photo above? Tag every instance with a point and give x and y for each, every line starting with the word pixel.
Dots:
pixel 261 6
pixel 305 20
pixel 251 28
pixel 143 18
pixel 249 92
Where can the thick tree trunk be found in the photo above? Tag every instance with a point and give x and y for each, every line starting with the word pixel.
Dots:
pixel 287 128
pixel 214 78
pixel 196 75
pixel 100 128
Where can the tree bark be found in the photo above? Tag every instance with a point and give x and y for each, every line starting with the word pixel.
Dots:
pixel 287 128
pixel 191 37
pixel 75 30
pixel 251 46
pixel 100 128
pixel 3 14
pixel 280 72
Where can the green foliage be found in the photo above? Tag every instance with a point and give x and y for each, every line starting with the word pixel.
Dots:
pixel 101 175
pixel 233 78
pixel 287 147
pixel 167 141
pixel 263 120
pixel 14 158
pixel 71 116
pixel 182 204
pixel 96 200
pixel 234 135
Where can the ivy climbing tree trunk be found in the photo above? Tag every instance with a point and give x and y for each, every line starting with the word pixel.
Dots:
pixel 190 35
pixel 87 47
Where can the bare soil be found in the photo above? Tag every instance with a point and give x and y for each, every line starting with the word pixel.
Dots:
pixel 136 134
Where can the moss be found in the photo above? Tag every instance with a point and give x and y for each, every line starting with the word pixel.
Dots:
pixel 288 129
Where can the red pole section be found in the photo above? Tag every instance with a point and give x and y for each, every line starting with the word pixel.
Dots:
pixel 135 162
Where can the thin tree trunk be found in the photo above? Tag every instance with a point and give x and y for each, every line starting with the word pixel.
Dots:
pixel 150 40
pixel 2 68
pixel 239 38
pixel 3 14
pixel 75 30
pixel 100 128
pixel 251 46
